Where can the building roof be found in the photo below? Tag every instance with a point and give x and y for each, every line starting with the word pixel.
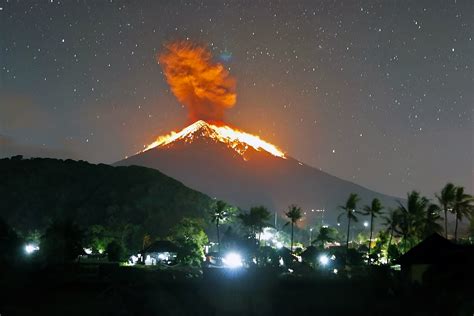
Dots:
pixel 161 246
pixel 437 249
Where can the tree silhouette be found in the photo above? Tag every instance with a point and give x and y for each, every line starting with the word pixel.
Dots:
pixel 293 214
pixel 349 210
pixel 255 220
pixel 445 201
pixel 62 242
pixel 219 213
pixel 462 207
pixel 412 217
pixel 10 244
pixel 190 237
pixel 373 210
pixel 391 222
pixel 325 235
pixel 114 251
pixel 430 223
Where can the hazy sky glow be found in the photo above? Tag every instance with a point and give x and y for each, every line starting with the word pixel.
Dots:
pixel 376 92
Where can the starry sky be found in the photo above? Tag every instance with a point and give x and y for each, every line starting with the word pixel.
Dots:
pixel 380 93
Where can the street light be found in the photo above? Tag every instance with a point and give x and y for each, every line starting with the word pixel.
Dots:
pixel 30 248
pixel 366 224
pixel 233 260
pixel 310 235
pixel 323 259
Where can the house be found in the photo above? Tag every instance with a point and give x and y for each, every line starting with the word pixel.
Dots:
pixel 438 254
pixel 159 252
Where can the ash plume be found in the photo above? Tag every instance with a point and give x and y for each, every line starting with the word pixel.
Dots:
pixel 203 86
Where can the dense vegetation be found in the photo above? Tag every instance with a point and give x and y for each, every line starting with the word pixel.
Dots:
pixel 108 203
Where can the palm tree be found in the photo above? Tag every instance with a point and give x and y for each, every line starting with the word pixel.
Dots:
pixel 391 222
pixel 325 235
pixel 462 207
pixel 260 216
pixel 219 213
pixel 374 210
pixel 349 211
pixel 255 220
pixel 293 214
pixel 411 218
pixel 430 224
pixel 445 201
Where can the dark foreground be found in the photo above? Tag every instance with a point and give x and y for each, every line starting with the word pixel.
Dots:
pixel 108 289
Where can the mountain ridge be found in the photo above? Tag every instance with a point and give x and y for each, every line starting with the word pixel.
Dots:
pixel 252 177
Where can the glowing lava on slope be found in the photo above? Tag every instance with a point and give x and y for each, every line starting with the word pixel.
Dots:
pixel 233 138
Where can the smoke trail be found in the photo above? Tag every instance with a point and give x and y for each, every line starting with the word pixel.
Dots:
pixel 204 86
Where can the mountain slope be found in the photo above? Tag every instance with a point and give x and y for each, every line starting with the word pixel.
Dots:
pixel 250 177
pixel 34 191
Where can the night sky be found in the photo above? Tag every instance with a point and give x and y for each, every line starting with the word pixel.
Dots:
pixel 377 92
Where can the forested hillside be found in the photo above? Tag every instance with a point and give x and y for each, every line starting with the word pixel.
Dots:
pixel 129 201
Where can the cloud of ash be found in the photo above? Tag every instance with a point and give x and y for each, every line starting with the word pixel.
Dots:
pixel 203 86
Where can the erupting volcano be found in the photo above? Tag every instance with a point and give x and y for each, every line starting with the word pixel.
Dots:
pixel 235 139
pixel 229 164
pixel 207 89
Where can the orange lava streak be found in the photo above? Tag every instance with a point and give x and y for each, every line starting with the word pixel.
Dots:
pixel 238 140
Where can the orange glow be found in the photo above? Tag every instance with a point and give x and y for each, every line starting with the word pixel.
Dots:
pixel 203 86
pixel 233 138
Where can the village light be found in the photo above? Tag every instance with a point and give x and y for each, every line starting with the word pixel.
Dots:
pixel 30 248
pixel 267 234
pixel 233 260
pixel 323 259
pixel 163 256
pixel 366 224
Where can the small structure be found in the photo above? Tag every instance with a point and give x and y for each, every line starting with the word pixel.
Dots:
pixel 213 259
pixel 435 253
pixel 159 252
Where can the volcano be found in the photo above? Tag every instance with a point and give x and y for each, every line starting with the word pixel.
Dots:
pixel 246 171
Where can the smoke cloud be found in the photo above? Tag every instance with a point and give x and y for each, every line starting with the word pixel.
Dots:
pixel 203 86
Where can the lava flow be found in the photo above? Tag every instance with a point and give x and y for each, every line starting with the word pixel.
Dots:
pixel 235 139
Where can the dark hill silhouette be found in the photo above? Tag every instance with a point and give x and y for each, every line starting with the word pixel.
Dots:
pixel 214 167
pixel 34 191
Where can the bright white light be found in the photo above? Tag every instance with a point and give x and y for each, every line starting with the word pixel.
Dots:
pixel 267 234
pixel 366 224
pixel 163 256
pixel 323 259
pixel 133 260
pixel 233 260
pixel 279 245
pixel 281 262
pixel 338 224
pixel 88 250
pixel 334 271
pixel 30 248
pixel 149 261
